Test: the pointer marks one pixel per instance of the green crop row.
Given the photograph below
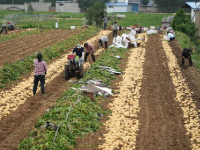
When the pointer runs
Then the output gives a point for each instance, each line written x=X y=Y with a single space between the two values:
x=83 y=118
x=13 y=71
x=17 y=35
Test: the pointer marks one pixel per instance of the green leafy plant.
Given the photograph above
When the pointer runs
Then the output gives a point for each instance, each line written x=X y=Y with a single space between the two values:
x=96 y=13
x=182 y=22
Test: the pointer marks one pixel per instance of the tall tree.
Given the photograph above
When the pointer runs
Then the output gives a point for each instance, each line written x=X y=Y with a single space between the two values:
x=85 y=4
x=170 y=5
x=96 y=13
x=144 y=2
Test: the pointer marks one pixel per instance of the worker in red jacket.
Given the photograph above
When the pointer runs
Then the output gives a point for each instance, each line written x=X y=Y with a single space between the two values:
x=89 y=50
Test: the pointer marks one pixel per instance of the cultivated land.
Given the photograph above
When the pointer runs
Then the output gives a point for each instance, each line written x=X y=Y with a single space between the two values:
x=155 y=103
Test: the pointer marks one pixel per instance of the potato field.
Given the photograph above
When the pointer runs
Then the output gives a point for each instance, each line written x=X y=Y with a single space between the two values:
x=155 y=103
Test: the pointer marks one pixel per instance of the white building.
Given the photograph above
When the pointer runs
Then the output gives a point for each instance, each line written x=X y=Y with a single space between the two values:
x=129 y=6
x=193 y=8
x=66 y=6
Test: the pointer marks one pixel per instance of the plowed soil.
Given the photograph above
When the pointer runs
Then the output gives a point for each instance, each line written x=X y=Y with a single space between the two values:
x=17 y=49
x=16 y=126
x=160 y=117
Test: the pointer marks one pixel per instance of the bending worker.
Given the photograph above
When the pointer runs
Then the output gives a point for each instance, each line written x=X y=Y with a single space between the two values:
x=79 y=52
x=102 y=40
x=169 y=34
x=3 y=29
x=186 y=54
x=89 y=50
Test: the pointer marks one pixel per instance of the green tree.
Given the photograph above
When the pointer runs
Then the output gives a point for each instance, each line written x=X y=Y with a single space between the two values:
x=144 y=2
x=182 y=22
x=96 y=13
x=170 y=5
x=85 y=4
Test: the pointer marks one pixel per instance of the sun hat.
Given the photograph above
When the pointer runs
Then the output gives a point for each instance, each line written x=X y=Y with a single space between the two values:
x=79 y=46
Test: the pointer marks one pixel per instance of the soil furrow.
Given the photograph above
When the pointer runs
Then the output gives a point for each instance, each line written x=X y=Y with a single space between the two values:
x=161 y=118
x=185 y=98
x=17 y=49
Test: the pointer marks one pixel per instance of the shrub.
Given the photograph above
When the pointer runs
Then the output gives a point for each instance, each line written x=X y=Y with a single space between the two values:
x=182 y=22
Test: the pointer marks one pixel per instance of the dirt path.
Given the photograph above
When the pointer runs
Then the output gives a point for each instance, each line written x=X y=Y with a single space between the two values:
x=161 y=118
x=18 y=124
x=17 y=49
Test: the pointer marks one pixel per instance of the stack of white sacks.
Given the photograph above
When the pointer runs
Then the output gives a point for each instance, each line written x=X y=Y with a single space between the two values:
x=125 y=40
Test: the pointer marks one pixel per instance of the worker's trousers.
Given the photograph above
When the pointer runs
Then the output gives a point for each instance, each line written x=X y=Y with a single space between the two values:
x=106 y=44
x=92 y=54
x=3 y=30
x=114 y=33
x=105 y=26
x=190 y=61
x=40 y=78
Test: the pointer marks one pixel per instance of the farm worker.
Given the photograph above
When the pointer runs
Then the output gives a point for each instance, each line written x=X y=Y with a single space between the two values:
x=40 y=72
x=102 y=40
x=115 y=29
x=79 y=52
x=3 y=28
x=172 y=31
x=89 y=50
x=56 y=26
x=186 y=54
x=172 y=37
x=105 y=20
x=139 y=30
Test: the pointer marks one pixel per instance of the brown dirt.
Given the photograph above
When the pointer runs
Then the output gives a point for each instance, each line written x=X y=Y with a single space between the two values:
x=16 y=126
x=161 y=118
x=17 y=49
x=191 y=74
x=91 y=141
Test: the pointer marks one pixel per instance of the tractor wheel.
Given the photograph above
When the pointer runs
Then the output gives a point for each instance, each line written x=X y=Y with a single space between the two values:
x=81 y=71
x=67 y=72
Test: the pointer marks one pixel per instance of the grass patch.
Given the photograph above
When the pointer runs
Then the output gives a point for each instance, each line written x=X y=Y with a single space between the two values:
x=144 y=19
x=185 y=42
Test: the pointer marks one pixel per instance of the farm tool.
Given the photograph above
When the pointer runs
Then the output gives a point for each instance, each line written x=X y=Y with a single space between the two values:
x=74 y=67
x=183 y=65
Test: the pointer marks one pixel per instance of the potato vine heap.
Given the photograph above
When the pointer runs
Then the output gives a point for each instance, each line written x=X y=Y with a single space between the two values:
x=184 y=97
x=123 y=123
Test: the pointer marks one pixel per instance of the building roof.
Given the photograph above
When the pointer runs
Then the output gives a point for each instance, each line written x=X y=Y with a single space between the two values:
x=62 y=1
x=192 y=5
x=116 y=4
x=134 y=3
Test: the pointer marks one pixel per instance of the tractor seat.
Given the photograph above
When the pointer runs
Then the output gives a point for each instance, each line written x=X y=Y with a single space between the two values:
x=71 y=57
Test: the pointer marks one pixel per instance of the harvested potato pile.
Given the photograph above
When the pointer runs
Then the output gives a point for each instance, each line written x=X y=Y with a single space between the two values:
x=123 y=124
x=184 y=97
x=10 y=100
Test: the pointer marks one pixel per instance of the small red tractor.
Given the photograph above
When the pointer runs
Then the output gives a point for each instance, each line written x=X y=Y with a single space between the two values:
x=74 y=67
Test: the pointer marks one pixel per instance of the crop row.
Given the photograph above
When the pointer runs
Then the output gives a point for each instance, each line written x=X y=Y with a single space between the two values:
x=20 y=34
x=184 y=98
x=83 y=117
x=11 y=72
